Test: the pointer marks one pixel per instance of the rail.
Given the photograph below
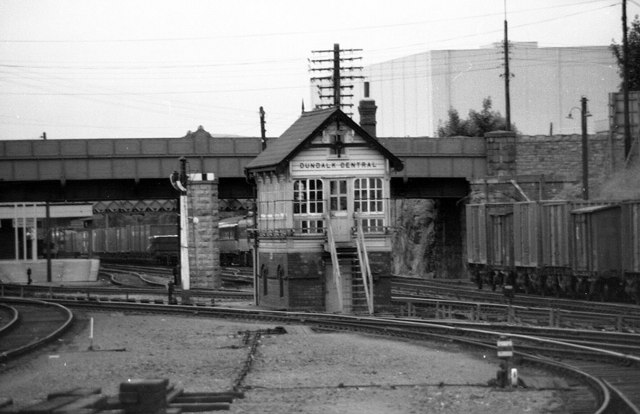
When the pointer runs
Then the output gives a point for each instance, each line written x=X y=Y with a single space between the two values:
x=407 y=329
x=38 y=338
x=441 y=308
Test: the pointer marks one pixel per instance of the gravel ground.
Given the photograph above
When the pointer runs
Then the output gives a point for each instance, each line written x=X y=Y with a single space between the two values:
x=299 y=372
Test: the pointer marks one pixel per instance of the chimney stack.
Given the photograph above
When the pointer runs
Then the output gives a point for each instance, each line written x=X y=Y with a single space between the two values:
x=367 y=110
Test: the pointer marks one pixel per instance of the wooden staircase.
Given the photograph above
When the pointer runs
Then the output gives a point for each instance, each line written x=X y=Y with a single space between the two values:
x=356 y=301
x=351 y=274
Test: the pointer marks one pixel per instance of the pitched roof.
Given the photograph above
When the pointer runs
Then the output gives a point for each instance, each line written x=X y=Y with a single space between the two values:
x=310 y=124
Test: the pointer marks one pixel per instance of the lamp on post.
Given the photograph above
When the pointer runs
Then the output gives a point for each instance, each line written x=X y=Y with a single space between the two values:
x=584 y=113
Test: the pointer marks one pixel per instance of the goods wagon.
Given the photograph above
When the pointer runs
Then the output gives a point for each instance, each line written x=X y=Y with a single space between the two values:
x=631 y=248
x=490 y=242
x=156 y=243
x=573 y=249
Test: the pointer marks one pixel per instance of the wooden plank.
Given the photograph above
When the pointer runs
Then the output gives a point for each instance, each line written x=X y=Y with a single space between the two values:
x=48 y=406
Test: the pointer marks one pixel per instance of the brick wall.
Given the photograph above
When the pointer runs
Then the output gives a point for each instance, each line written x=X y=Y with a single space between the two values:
x=380 y=263
x=306 y=294
x=302 y=280
x=305 y=265
x=382 y=294
x=545 y=167
x=271 y=262
x=560 y=156
x=204 y=249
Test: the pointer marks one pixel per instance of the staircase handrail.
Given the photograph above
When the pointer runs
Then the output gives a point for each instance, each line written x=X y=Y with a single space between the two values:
x=365 y=269
x=334 y=260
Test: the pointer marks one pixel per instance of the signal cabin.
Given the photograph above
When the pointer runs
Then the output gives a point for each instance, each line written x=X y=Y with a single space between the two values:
x=323 y=230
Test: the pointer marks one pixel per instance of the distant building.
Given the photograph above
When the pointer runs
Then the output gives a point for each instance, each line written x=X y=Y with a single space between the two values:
x=414 y=93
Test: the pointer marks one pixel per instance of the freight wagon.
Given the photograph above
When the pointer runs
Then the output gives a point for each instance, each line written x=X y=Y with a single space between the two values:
x=572 y=249
x=153 y=243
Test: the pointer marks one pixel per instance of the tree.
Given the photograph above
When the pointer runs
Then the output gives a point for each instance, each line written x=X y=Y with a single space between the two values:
x=486 y=120
x=633 y=60
x=478 y=124
x=454 y=125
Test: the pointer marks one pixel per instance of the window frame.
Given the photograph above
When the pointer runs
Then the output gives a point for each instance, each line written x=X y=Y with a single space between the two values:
x=308 y=205
x=369 y=203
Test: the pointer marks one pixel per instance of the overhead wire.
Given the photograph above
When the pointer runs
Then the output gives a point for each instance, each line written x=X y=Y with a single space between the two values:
x=205 y=67
x=304 y=32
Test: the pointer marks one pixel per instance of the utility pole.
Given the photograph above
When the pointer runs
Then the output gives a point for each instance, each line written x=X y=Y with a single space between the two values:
x=507 y=74
x=336 y=80
x=263 y=131
x=585 y=148
x=625 y=81
x=584 y=113
x=336 y=76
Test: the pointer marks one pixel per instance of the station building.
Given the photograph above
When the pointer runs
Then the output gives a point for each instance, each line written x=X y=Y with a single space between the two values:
x=323 y=236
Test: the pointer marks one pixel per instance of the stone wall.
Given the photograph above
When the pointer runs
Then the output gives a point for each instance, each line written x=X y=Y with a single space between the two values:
x=501 y=147
x=204 y=249
x=545 y=167
x=560 y=156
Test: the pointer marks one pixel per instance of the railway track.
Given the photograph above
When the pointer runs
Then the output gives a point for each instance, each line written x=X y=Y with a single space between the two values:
x=465 y=290
x=600 y=374
x=32 y=323
x=231 y=276
x=605 y=361
x=592 y=394
x=431 y=299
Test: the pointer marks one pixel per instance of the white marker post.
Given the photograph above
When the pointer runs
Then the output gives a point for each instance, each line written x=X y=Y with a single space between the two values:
x=505 y=352
x=179 y=182
x=91 y=335
x=184 y=242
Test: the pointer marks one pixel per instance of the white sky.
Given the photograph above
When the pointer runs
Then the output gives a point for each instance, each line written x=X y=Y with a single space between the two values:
x=133 y=68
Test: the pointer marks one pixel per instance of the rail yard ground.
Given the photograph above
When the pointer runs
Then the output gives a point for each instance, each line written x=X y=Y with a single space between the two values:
x=301 y=371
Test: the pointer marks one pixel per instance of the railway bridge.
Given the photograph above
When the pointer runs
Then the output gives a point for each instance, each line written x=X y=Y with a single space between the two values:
x=132 y=176
x=138 y=169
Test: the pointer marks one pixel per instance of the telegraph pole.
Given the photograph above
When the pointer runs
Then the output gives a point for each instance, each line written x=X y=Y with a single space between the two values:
x=263 y=131
x=625 y=81
x=507 y=74
x=585 y=148
x=336 y=81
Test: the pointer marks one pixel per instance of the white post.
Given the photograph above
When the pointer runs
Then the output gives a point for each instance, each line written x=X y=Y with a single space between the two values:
x=91 y=334
x=15 y=232
x=24 y=233
x=184 y=241
x=34 y=234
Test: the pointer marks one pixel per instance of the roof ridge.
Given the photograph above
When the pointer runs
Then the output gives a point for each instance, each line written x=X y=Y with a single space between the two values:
x=318 y=111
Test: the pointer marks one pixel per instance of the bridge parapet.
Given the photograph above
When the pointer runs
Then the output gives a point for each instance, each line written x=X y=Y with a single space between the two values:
x=140 y=158
x=451 y=157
